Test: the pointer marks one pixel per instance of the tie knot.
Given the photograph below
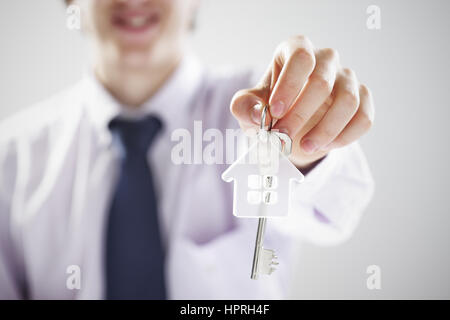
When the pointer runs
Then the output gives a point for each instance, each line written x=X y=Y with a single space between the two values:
x=136 y=135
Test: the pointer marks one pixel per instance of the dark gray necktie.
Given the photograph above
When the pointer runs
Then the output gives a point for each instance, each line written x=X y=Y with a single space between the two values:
x=134 y=255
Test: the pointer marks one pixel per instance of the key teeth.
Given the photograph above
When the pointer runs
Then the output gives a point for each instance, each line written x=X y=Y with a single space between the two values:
x=269 y=260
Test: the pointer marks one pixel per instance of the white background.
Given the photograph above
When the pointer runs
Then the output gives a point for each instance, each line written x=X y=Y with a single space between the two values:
x=405 y=229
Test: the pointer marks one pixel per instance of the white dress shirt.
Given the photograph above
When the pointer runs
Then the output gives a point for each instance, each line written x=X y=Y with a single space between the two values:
x=58 y=166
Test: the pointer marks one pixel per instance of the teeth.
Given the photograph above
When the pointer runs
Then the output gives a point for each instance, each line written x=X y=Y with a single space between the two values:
x=137 y=21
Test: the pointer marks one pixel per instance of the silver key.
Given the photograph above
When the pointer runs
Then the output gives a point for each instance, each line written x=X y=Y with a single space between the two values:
x=265 y=260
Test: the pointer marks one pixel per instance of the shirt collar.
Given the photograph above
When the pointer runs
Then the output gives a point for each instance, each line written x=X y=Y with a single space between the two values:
x=169 y=102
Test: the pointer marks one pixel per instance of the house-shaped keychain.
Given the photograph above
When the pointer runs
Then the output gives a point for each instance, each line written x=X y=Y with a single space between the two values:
x=264 y=178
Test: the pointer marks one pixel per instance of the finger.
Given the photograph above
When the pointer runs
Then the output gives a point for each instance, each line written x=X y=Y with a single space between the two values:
x=317 y=90
x=245 y=107
x=296 y=61
x=360 y=123
x=344 y=107
x=244 y=102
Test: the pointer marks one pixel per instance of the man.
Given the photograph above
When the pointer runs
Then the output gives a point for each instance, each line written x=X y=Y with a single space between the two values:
x=93 y=207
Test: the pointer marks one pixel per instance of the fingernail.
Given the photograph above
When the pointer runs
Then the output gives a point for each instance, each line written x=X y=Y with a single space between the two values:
x=277 y=109
x=309 y=146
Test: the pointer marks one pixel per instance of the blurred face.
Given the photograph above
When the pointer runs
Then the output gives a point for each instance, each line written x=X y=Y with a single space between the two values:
x=137 y=32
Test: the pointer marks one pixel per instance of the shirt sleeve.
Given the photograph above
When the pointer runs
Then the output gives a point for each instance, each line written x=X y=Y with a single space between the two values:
x=9 y=274
x=330 y=201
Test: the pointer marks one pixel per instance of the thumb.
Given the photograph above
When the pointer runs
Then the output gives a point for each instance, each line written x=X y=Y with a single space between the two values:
x=247 y=104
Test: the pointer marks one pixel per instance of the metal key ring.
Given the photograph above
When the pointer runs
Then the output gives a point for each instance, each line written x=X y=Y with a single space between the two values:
x=287 y=145
x=263 y=118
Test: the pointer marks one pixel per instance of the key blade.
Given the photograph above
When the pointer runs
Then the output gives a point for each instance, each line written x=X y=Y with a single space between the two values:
x=258 y=248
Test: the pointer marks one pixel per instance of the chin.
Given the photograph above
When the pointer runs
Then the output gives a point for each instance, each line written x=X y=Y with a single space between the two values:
x=135 y=58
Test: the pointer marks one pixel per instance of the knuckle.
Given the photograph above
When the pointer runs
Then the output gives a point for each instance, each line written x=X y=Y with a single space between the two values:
x=364 y=91
x=321 y=82
x=300 y=37
x=349 y=73
x=304 y=55
x=350 y=98
x=366 y=121
x=300 y=118
x=330 y=54
x=367 y=105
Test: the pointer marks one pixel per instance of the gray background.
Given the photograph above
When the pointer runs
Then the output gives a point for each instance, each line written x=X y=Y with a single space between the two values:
x=405 y=229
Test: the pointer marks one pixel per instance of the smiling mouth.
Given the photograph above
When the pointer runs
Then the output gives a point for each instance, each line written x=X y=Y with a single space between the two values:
x=135 y=22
